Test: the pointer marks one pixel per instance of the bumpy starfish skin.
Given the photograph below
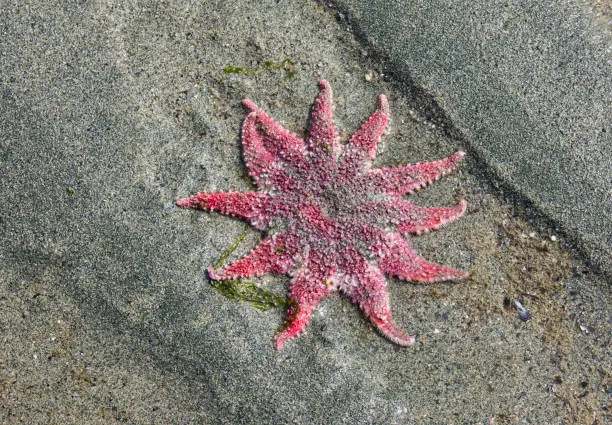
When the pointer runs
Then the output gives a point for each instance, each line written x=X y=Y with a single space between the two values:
x=333 y=223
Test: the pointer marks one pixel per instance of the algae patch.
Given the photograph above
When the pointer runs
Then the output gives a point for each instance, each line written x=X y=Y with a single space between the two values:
x=232 y=247
x=245 y=291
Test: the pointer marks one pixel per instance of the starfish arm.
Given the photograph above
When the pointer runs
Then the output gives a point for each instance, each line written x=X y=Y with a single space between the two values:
x=366 y=286
x=419 y=220
x=361 y=148
x=306 y=290
x=269 y=148
x=256 y=207
x=272 y=255
x=322 y=133
x=397 y=258
x=406 y=217
x=409 y=178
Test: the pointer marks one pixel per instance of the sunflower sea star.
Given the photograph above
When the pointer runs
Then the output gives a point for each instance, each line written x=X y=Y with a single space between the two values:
x=332 y=222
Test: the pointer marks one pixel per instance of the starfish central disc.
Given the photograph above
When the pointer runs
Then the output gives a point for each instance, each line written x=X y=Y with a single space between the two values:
x=337 y=202
x=333 y=222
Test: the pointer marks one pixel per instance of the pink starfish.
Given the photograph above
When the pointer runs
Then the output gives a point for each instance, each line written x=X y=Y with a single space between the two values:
x=332 y=221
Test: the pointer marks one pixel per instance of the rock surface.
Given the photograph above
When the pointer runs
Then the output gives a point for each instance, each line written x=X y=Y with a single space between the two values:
x=111 y=111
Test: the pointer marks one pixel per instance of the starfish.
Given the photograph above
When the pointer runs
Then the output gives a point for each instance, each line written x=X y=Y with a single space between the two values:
x=333 y=222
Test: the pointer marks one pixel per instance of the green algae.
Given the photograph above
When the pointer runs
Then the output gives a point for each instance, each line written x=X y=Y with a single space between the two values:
x=226 y=253
x=242 y=290
x=229 y=69
x=288 y=65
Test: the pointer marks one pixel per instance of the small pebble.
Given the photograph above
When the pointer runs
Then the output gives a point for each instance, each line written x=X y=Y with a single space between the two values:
x=523 y=313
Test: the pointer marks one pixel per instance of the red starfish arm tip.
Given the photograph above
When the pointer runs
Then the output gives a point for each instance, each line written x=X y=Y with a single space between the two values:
x=392 y=332
x=368 y=136
x=299 y=322
x=368 y=289
x=360 y=151
x=383 y=105
x=183 y=203
x=397 y=258
x=419 y=220
x=418 y=269
x=250 y=105
x=322 y=133
x=253 y=206
x=409 y=178
x=271 y=152
x=199 y=201
x=307 y=291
